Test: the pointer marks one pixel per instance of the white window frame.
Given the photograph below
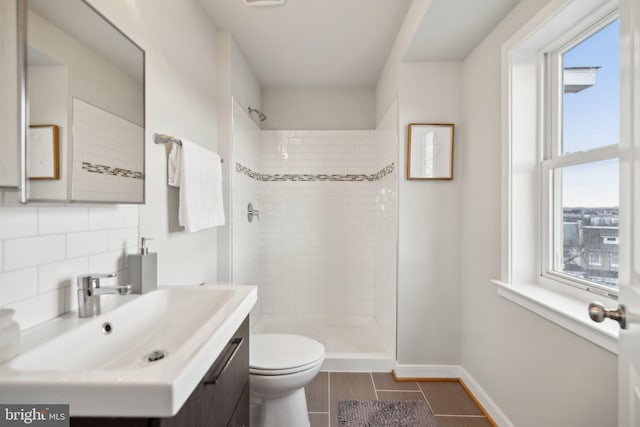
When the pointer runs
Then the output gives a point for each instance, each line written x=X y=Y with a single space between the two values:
x=553 y=160
x=521 y=280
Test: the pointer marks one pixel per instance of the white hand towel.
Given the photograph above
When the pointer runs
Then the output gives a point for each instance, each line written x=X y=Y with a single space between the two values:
x=173 y=165
x=198 y=173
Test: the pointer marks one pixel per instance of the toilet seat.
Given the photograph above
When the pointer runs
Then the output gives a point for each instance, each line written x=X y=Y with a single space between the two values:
x=283 y=354
x=276 y=372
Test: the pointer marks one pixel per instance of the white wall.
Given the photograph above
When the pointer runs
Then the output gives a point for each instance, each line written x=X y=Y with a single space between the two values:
x=45 y=247
x=235 y=79
x=429 y=211
x=318 y=108
x=92 y=78
x=387 y=86
x=537 y=373
x=429 y=217
x=245 y=88
x=246 y=250
x=180 y=101
x=386 y=234
x=48 y=104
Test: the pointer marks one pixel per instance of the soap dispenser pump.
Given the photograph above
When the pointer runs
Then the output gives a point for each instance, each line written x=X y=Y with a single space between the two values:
x=143 y=269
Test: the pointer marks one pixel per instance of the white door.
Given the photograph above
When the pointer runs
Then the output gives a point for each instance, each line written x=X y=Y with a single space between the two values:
x=629 y=354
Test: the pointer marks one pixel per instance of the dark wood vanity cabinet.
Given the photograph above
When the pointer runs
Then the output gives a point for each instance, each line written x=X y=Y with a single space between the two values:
x=221 y=399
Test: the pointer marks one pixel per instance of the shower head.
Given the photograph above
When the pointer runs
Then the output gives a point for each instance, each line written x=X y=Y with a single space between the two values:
x=261 y=116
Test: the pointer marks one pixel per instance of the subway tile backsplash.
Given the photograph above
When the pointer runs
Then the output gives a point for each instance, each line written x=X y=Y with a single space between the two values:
x=44 y=248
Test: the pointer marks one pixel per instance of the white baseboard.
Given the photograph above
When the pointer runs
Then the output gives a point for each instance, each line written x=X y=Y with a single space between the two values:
x=484 y=399
x=427 y=371
x=456 y=371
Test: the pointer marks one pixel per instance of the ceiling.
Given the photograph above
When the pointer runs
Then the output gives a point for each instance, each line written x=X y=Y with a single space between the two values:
x=451 y=29
x=340 y=43
x=313 y=43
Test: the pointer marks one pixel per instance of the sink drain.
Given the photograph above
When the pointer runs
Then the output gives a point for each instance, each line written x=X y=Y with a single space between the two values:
x=107 y=328
x=155 y=355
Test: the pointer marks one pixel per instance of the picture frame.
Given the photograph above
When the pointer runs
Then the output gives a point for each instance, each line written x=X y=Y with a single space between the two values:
x=43 y=152
x=430 y=151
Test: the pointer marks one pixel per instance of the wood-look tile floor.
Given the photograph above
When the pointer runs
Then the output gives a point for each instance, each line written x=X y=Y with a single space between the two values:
x=448 y=400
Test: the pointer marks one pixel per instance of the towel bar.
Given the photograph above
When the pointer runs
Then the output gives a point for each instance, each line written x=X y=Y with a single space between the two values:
x=160 y=138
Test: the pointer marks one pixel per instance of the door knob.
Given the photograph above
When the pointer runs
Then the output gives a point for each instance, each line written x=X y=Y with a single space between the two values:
x=598 y=313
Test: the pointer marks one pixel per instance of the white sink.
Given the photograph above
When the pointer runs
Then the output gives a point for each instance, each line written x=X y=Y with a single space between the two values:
x=100 y=373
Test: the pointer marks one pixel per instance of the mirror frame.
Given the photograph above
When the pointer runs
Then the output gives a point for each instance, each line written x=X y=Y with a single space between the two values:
x=411 y=175
x=23 y=108
x=23 y=125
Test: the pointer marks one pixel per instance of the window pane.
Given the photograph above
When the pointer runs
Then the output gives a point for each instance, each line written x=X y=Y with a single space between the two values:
x=591 y=82
x=589 y=231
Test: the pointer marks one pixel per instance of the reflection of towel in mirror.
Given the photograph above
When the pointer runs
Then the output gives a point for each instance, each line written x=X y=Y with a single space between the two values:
x=198 y=173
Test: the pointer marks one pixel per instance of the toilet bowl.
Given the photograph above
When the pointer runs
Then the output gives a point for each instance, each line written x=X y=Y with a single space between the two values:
x=280 y=365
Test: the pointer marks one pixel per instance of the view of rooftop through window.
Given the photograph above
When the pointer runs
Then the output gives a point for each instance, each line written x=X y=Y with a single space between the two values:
x=590 y=119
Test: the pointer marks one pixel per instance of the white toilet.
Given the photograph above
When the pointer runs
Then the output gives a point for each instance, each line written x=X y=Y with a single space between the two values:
x=280 y=365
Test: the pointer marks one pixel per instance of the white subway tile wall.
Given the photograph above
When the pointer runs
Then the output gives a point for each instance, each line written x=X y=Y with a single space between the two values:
x=318 y=238
x=315 y=250
x=43 y=249
x=105 y=142
x=318 y=152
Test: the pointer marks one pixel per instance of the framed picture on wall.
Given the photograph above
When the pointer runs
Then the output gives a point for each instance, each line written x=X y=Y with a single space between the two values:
x=43 y=152
x=430 y=151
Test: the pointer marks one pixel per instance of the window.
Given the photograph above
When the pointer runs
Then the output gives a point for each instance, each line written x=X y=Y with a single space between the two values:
x=614 y=260
x=580 y=158
x=561 y=117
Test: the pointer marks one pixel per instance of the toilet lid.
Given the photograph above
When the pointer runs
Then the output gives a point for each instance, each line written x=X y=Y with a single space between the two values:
x=283 y=351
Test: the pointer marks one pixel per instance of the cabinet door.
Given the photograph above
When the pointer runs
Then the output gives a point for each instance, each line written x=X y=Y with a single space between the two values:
x=225 y=382
x=241 y=415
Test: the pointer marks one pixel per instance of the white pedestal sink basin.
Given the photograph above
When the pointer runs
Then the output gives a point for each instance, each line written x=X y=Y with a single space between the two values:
x=100 y=366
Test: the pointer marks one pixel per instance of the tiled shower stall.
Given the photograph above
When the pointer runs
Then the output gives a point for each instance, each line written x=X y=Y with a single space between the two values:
x=323 y=254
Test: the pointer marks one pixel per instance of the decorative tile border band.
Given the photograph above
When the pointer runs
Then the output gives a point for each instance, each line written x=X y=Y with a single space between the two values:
x=317 y=177
x=108 y=170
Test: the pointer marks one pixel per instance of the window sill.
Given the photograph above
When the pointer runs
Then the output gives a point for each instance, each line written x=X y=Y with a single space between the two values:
x=563 y=310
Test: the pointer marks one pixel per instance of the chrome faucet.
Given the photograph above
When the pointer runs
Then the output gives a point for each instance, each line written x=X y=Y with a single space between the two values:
x=89 y=292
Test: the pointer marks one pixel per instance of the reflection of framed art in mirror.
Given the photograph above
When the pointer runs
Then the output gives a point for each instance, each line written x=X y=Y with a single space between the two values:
x=43 y=152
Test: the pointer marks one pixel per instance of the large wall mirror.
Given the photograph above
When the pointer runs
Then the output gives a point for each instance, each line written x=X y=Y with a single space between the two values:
x=85 y=106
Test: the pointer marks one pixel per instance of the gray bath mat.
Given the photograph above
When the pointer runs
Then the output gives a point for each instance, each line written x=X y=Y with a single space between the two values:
x=378 y=413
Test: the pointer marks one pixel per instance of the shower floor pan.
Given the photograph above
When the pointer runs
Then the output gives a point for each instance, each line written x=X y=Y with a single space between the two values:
x=352 y=344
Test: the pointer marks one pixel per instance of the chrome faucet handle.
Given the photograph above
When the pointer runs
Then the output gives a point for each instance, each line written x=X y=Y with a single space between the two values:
x=92 y=280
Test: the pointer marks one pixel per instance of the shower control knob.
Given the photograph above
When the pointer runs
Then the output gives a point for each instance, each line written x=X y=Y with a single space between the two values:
x=251 y=212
